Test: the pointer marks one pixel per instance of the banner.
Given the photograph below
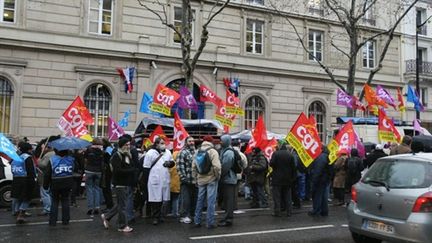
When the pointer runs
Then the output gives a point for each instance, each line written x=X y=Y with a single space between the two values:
x=385 y=95
x=124 y=122
x=180 y=133
x=233 y=105
x=401 y=102
x=158 y=132
x=207 y=94
x=345 y=139
x=259 y=135
x=221 y=115
x=146 y=102
x=8 y=148
x=413 y=97
x=372 y=97
x=187 y=101
x=344 y=99
x=356 y=104
x=232 y=84
x=114 y=130
x=268 y=147
x=163 y=100
x=386 y=129
x=75 y=118
x=304 y=140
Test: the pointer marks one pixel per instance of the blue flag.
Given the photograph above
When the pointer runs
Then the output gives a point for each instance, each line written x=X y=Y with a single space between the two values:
x=124 y=122
x=414 y=98
x=8 y=148
x=146 y=101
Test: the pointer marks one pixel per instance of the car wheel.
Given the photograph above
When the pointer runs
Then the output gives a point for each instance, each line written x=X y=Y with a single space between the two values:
x=5 y=196
x=363 y=239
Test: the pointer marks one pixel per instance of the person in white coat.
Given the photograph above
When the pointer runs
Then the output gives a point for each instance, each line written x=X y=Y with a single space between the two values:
x=158 y=159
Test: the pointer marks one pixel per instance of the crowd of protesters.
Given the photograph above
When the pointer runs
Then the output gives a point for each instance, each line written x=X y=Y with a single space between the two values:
x=155 y=183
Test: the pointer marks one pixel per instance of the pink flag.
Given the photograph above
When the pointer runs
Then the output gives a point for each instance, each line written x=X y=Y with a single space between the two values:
x=343 y=99
x=385 y=95
x=417 y=126
x=359 y=145
x=114 y=130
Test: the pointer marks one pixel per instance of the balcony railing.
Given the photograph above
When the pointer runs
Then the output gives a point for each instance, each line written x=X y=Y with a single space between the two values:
x=424 y=67
x=369 y=21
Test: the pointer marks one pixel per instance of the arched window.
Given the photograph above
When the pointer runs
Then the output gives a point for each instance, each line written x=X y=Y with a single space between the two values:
x=98 y=100
x=317 y=109
x=254 y=108
x=175 y=85
x=6 y=97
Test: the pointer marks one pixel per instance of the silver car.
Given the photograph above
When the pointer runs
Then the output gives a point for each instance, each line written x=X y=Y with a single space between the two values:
x=393 y=201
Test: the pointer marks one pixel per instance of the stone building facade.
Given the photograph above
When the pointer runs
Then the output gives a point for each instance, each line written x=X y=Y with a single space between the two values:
x=52 y=51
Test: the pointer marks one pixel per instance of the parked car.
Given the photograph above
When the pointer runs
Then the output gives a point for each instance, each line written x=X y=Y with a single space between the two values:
x=393 y=201
x=5 y=184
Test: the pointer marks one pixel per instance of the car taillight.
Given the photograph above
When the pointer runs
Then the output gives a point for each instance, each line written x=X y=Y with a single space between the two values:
x=353 y=194
x=423 y=204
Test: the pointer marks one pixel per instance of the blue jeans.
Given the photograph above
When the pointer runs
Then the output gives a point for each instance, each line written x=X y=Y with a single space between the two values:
x=175 y=199
x=301 y=186
x=211 y=190
x=320 y=195
x=93 y=190
x=120 y=207
x=46 y=199
x=19 y=205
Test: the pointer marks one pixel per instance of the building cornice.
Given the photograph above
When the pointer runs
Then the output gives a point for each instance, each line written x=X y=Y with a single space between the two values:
x=13 y=62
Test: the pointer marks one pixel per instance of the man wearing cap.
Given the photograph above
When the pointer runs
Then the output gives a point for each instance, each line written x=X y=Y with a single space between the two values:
x=377 y=153
x=207 y=184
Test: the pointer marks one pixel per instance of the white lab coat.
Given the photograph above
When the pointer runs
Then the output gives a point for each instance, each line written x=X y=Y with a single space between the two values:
x=159 y=179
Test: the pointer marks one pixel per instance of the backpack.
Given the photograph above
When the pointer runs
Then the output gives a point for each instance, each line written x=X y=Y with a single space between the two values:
x=203 y=161
x=237 y=165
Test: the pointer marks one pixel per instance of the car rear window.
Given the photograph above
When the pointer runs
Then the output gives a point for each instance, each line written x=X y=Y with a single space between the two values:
x=400 y=174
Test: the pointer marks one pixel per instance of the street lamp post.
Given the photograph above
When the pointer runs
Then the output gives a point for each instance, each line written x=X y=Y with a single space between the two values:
x=418 y=28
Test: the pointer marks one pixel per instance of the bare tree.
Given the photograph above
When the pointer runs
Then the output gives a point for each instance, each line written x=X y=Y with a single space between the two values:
x=351 y=16
x=185 y=32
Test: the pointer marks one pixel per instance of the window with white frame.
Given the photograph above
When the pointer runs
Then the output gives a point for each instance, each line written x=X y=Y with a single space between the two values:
x=315 y=7
x=6 y=98
x=7 y=11
x=254 y=36
x=316 y=45
x=368 y=14
x=424 y=96
x=318 y=110
x=257 y=2
x=100 y=17
x=254 y=108
x=98 y=99
x=369 y=54
x=178 y=14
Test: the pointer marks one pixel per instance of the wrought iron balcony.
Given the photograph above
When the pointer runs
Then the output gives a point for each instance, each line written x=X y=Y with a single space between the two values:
x=369 y=21
x=424 y=67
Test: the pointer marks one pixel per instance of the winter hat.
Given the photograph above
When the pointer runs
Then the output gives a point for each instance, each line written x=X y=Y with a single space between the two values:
x=25 y=147
x=208 y=138
x=122 y=142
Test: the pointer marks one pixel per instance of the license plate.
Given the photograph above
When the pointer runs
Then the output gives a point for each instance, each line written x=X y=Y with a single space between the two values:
x=378 y=226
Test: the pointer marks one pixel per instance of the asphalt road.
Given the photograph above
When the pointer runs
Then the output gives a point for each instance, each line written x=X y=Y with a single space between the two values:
x=252 y=225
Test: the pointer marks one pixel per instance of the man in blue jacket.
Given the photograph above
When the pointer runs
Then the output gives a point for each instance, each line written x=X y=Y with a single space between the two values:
x=228 y=180
x=321 y=173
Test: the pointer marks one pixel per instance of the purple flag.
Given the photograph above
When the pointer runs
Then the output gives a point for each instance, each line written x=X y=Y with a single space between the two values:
x=385 y=95
x=417 y=126
x=359 y=145
x=187 y=101
x=343 y=99
x=114 y=130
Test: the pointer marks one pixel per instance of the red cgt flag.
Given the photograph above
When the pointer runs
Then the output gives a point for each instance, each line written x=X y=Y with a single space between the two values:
x=259 y=135
x=163 y=100
x=345 y=139
x=75 y=118
x=401 y=104
x=305 y=140
x=158 y=132
x=180 y=133
x=387 y=132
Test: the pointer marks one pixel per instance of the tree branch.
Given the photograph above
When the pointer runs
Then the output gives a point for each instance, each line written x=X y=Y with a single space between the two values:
x=339 y=49
x=386 y=46
x=163 y=20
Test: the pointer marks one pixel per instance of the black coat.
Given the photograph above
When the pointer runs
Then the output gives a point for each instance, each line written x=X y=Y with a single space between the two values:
x=321 y=172
x=123 y=173
x=257 y=168
x=23 y=187
x=283 y=168
x=372 y=157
